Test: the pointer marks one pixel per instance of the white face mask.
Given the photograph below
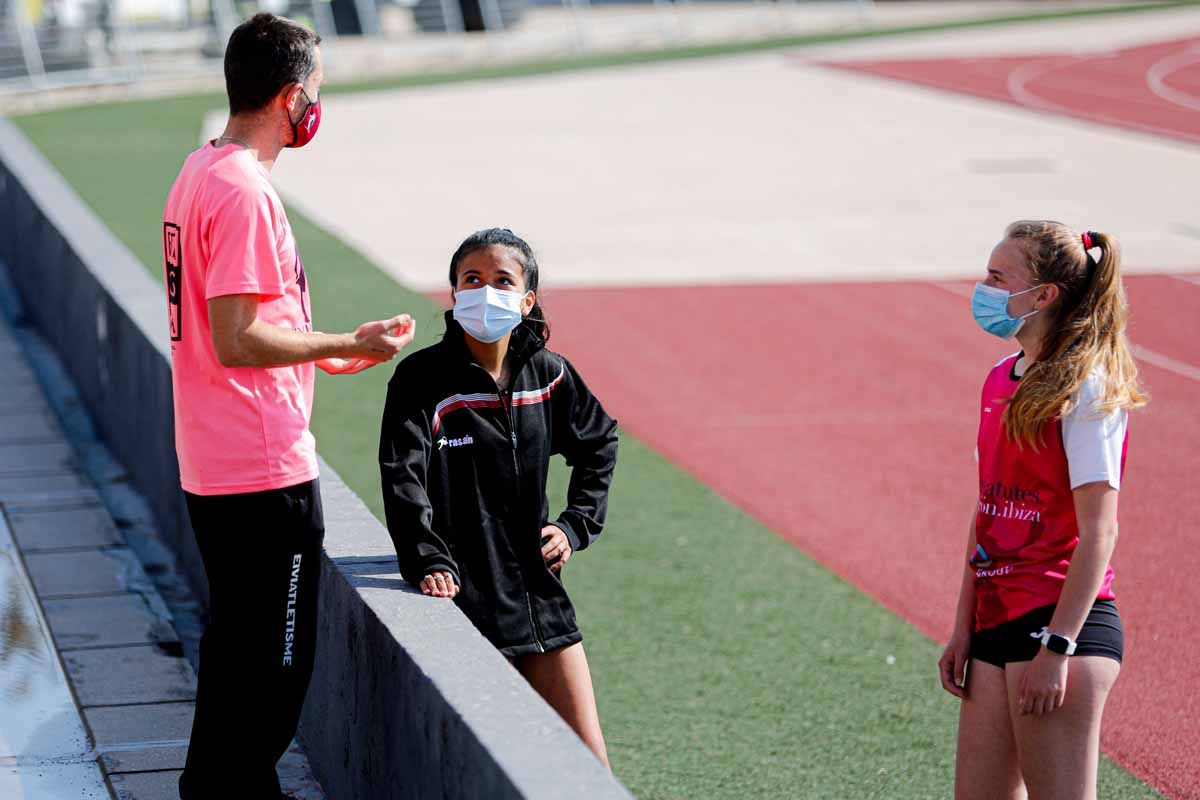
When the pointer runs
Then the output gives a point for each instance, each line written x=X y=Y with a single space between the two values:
x=488 y=314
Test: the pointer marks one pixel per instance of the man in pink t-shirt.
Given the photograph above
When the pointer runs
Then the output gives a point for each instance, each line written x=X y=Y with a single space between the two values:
x=244 y=352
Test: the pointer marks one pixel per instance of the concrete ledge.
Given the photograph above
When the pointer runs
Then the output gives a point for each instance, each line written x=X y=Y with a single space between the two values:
x=408 y=700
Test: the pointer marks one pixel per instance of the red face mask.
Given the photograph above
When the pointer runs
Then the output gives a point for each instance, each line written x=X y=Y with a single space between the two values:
x=304 y=129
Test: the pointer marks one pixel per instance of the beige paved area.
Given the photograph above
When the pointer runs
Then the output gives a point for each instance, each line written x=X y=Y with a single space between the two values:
x=760 y=168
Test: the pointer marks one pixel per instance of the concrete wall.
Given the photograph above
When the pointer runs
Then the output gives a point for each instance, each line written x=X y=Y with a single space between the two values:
x=408 y=700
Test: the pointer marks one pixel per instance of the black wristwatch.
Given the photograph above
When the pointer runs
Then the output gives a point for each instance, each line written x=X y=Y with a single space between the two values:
x=1055 y=643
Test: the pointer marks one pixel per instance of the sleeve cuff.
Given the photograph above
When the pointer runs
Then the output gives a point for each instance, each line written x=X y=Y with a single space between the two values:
x=1084 y=480
x=440 y=566
x=572 y=537
x=244 y=288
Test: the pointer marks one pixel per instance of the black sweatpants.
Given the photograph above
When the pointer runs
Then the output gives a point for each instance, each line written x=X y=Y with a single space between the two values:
x=261 y=552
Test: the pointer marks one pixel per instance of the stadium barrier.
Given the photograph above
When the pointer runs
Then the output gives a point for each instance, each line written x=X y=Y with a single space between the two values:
x=76 y=50
x=408 y=699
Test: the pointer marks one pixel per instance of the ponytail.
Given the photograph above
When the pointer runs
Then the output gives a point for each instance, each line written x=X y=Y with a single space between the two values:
x=1087 y=331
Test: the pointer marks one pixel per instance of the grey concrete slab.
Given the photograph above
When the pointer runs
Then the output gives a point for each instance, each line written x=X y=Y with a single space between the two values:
x=359 y=537
x=21 y=397
x=150 y=759
x=147 y=785
x=121 y=675
x=113 y=569
x=17 y=372
x=109 y=621
x=40 y=457
x=53 y=781
x=29 y=427
x=296 y=776
x=14 y=487
x=51 y=529
x=71 y=498
x=158 y=722
x=38 y=716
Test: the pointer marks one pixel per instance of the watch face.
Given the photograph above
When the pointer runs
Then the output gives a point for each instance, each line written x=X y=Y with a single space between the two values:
x=1058 y=644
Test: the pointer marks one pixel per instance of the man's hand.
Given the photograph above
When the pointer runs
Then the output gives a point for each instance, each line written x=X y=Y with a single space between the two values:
x=556 y=549
x=240 y=339
x=381 y=340
x=344 y=366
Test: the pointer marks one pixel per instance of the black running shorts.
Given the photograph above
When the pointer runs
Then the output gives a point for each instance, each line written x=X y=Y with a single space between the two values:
x=1102 y=635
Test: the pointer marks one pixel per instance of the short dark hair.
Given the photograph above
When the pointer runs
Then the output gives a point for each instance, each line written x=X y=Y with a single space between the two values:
x=266 y=53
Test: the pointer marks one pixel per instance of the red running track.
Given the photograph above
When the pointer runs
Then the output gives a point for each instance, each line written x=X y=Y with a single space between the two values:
x=1153 y=88
x=843 y=417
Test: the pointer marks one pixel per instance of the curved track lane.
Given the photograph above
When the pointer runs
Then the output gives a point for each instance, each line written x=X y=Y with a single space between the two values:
x=1154 y=88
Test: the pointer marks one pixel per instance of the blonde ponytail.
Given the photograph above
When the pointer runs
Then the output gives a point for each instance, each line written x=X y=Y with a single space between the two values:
x=1087 y=333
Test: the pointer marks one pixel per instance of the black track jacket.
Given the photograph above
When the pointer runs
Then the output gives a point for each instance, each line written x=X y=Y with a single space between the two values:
x=464 y=481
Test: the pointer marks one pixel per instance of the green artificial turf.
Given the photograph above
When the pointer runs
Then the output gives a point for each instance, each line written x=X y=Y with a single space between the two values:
x=727 y=663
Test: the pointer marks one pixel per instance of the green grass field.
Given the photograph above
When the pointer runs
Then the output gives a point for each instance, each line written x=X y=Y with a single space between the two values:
x=727 y=663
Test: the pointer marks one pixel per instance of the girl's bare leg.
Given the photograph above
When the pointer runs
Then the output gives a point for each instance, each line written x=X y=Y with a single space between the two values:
x=1060 y=752
x=564 y=681
x=986 y=767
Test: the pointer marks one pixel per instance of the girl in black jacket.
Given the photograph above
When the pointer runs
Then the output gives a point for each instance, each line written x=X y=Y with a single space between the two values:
x=468 y=431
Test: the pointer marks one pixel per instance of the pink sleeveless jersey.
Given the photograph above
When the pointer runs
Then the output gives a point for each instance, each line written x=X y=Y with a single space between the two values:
x=1025 y=523
x=240 y=429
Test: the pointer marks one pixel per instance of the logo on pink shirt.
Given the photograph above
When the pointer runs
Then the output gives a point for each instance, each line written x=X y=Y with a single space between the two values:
x=174 y=261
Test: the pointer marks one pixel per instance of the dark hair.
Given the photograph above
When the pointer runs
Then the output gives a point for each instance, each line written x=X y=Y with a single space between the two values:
x=266 y=53
x=503 y=237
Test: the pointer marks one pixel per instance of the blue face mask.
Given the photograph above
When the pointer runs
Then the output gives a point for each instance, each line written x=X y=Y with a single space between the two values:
x=488 y=314
x=989 y=305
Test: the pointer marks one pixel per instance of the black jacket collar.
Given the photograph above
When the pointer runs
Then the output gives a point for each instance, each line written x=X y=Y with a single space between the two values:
x=523 y=344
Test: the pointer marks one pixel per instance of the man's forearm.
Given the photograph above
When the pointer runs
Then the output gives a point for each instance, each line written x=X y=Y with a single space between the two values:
x=266 y=345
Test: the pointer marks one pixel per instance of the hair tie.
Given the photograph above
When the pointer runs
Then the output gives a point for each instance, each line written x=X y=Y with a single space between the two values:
x=1089 y=240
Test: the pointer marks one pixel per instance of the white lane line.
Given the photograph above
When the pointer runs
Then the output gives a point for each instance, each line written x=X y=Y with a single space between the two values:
x=1018 y=82
x=1017 y=85
x=1180 y=368
x=1156 y=77
x=1145 y=354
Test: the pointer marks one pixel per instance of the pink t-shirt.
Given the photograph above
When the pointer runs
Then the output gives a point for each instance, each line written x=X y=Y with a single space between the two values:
x=225 y=232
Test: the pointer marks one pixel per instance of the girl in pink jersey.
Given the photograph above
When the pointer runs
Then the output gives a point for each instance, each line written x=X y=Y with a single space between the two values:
x=1036 y=619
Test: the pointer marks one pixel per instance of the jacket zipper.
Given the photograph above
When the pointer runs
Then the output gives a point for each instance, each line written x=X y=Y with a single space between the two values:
x=512 y=434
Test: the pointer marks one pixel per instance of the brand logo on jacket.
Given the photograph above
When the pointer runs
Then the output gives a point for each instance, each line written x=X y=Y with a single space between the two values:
x=460 y=442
